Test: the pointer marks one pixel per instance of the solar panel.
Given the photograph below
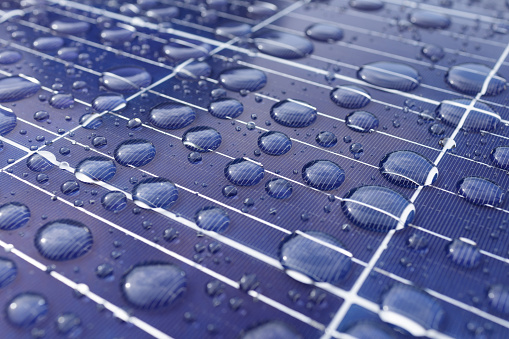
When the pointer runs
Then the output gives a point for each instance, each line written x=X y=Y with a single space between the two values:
x=252 y=169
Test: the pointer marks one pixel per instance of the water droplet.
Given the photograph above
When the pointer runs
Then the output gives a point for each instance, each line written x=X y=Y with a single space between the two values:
x=412 y=309
x=69 y=324
x=428 y=19
x=498 y=296
x=13 y=215
x=155 y=193
x=324 y=32
x=243 y=79
x=114 y=201
x=279 y=188
x=70 y=26
x=38 y=163
x=377 y=208
x=350 y=96
x=194 y=71
x=229 y=191
x=117 y=35
x=95 y=168
x=125 y=79
x=260 y=10
x=391 y=75
x=68 y=53
x=479 y=191
x=8 y=271
x=464 y=253
x=62 y=101
x=408 y=169
x=283 y=45
x=163 y=14
x=433 y=52
x=368 y=330
x=326 y=139
x=233 y=29
x=135 y=152
x=185 y=50
x=112 y=102
x=500 y=157
x=91 y=121
x=63 y=239
x=7 y=121
x=361 y=121
x=274 y=143
x=244 y=172
x=48 y=43
x=366 y=5
x=213 y=219
x=26 y=309
x=169 y=115
x=481 y=117
x=16 y=88
x=316 y=256
x=436 y=129
x=293 y=113
x=70 y=188
x=154 y=286
x=226 y=108
x=9 y=57
x=40 y=116
x=202 y=139
x=271 y=329
x=323 y=175
x=469 y=78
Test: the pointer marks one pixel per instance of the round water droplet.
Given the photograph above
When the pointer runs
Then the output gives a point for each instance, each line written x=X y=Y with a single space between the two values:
x=324 y=32
x=390 y=75
x=63 y=239
x=274 y=143
x=272 y=330
x=126 y=79
x=155 y=193
x=233 y=29
x=469 y=78
x=70 y=187
x=479 y=191
x=350 y=96
x=361 y=121
x=316 y=256
x=279 y=188
x=226 y=108
x=229 y=191
x=283 y=45
x=153 y=286
x=481 y=117
x=114 y=201
x=500 y=157
x=408 y=169
x=135 y=152
x=112 y=102
x=38 y=163
x=69 y=324
x=95 y=168
x=26 y=309
x=377 y=208
x=243 y=79
x=202 y=139
x=244 y=172
x=213 y=219
x=48 y=43
x=464 y=253
x=117 y=35
x=62 y=101
x=323 y=175
x=498 y=296
x=293 y=113
x=434 y=53
x=326 y=139
x=70 y=26
x=13 y=215
x=7 y=121
x=16 y=88
x=194 y=71
x=366 y=5
x=169 y=115
x=8 y=271
x=185 y=50
x=9 y=57
x=428 y=19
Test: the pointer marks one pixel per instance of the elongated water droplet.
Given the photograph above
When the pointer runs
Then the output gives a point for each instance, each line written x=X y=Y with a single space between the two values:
x=480 y=117
x=469 y=78
x=226 y=108
x=390 y=75
x=16 y=88
x=244 y=172
x=350 y=96
x=126 y=79
x=213 y=219
x=95 y=168
x=479 y=191
x=202 y=139
x=361 y=121
x=155 y=193
x=293 y=113
x=243 y=79
x=279 y=188
x=283 y=45
x=169 y=115
x=408 y=169
x=135 y=152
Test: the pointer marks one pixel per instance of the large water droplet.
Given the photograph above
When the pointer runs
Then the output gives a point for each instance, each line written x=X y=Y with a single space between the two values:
x=155 y=193
x=118 y=35
x=16 y=88
x=213 y=219
x=316 y=256
x=194 y=71
x=469 y=78
x=377 y=208
x=366 y=5
x=48 y=43
x=114 y=201
x=243 y=79
x=350 y=96
x=274 y=143
x=464 y=252
x=323 y=175
x=293 y=113
x=233 y=29
x=283 y=45
x=126 y=79
x=185 y=50
x=244 y=172
x=361 y=121
x=8 y=271
x=111 y=102
x=481 y=117
x=480 y=191
x=153 y=286
x=271 y=330
x=62 y=101
x=26 y=309
x=38 y=163
x=7 y=121
x=408 y=169
x=500 y=157
x=226 y=108
x=69 y=324
x=95 y=168
x=9 y=57
x=70 y=26
x=279 y=188
x=169 y=115
x=390 y=75
x=428 y=19
x=135 y=152
x=261 y=10
x=63 y=239
x=324 y=32
x=13 y=215
x=411 y=309
x=202 y=139
x=68 y=53
x=498 y=296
